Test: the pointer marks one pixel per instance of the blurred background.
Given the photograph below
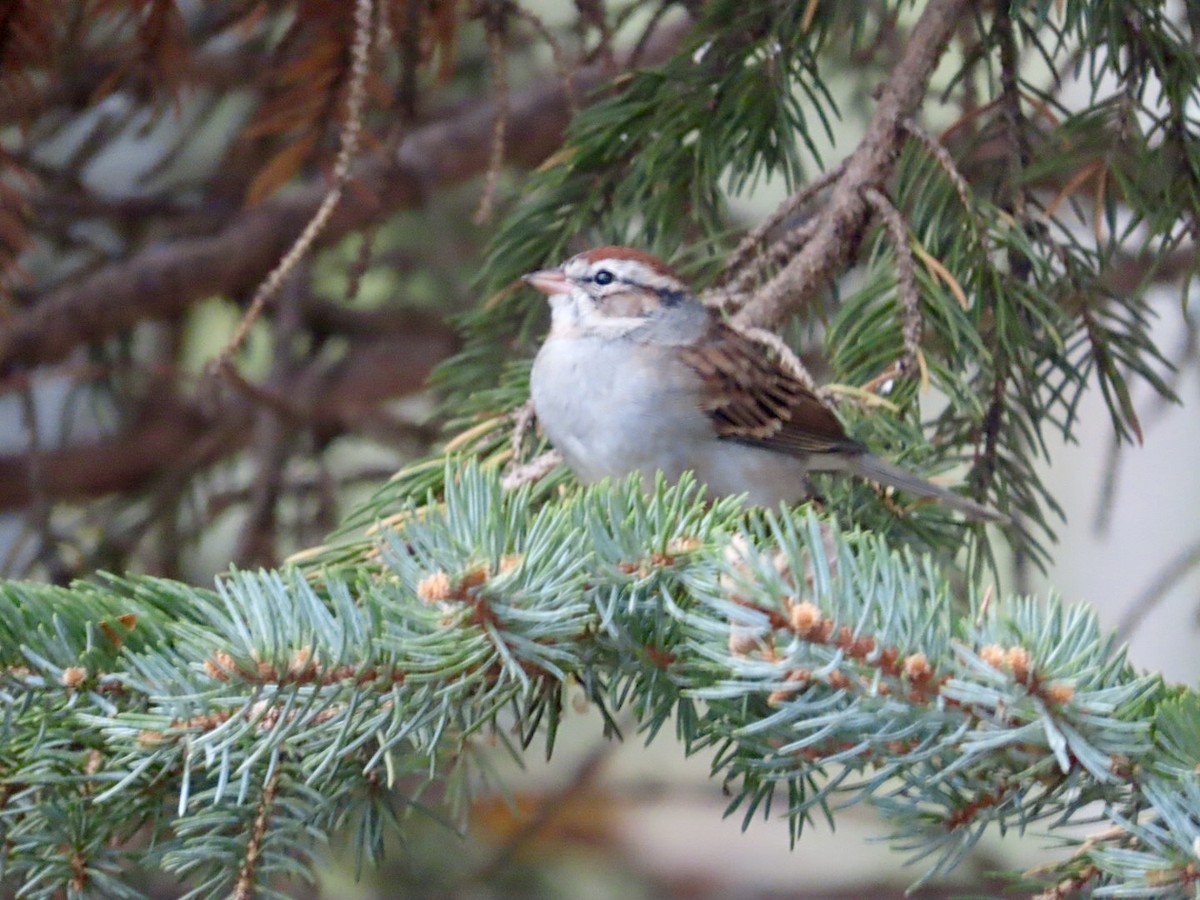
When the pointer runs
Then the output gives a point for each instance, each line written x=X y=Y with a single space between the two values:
x=158 y=158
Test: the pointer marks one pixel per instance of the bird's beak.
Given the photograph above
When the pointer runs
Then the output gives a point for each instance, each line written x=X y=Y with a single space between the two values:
x=548 y=281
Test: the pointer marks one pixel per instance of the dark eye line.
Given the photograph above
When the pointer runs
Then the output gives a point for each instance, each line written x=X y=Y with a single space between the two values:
x=671 y=297
x=604 y=277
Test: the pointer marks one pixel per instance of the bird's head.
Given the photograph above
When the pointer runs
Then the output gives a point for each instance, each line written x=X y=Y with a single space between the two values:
x=615 y=290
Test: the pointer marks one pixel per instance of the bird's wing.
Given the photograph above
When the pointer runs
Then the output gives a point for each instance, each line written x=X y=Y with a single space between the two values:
x=752 y=398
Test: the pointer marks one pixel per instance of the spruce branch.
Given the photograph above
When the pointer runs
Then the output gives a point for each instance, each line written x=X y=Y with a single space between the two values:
x=241 y=725
x=238 y=728
x=1016 y=310
x=844 y=216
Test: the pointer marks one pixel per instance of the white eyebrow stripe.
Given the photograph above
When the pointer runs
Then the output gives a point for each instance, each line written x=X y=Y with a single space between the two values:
x=628 y=271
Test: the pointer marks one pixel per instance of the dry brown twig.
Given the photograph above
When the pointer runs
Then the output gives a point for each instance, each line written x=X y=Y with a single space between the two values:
x=533 y=471
x=942 y=157
x=493 y=19
x=743 y=254
x=737 y=293
x=351 y=132
x=523 y=417
x=906 y=278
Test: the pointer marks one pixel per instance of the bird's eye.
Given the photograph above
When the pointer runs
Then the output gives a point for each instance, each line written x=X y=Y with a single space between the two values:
x=604 y=277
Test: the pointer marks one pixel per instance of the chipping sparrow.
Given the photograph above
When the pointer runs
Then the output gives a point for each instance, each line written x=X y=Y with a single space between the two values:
x=637 y=375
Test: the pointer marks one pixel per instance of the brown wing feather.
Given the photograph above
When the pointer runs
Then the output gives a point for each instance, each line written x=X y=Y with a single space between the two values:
x=753 y=399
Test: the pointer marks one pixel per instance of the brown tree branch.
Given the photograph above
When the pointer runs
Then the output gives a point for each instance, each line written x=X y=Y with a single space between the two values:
x=162 y=281
x=76 y=88
x=844 y=218
x=176 y=432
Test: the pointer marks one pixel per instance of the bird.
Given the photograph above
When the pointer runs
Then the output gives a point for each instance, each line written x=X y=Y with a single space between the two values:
x=636 y=374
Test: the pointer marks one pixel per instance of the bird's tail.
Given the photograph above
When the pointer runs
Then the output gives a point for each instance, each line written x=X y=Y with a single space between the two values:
x=869 y=466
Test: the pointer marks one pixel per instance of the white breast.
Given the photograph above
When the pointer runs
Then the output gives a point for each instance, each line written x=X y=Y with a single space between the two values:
x=609 y=411
x=641 y=414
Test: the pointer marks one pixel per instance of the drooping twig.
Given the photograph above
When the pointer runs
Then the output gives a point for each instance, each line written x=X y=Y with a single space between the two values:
x=655 y=17
x=275 y=432
x=493 y=20
x=594 y=13
x=942 y=157
x=585 y=775
x=1017 y=157
x=356 y=95
x=362 y=261
x=787 y=356
x=410 y=59
x=906 y=278
x=38 y=516
x=736 y=293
